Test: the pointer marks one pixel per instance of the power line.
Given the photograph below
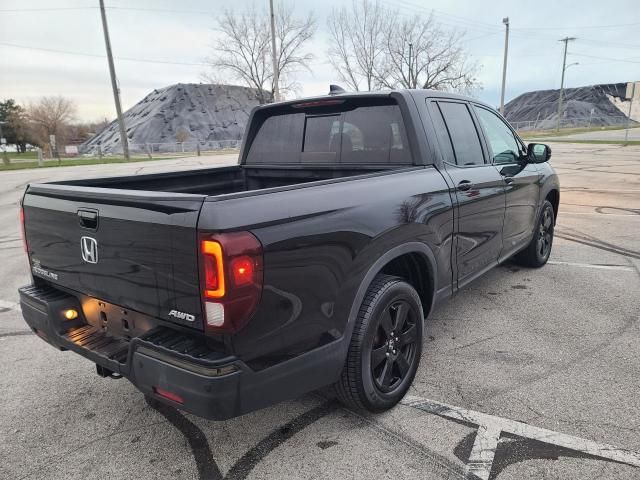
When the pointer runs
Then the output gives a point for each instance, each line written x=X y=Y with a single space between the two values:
x=444 y=18
x=607 y=43
x=95 y=55
x=579 y=27
x=163 y=10
x=44 y=9
x=457 y=18
x=605 y=58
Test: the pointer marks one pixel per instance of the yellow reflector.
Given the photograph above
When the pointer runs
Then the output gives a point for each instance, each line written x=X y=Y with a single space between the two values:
x=70 y=314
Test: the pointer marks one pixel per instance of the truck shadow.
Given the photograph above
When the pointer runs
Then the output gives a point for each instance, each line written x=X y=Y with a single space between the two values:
x=206 y=465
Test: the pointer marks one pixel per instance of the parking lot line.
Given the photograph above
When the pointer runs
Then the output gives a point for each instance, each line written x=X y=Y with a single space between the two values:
x=619 y=268
x=603 y=215
x=481 y=458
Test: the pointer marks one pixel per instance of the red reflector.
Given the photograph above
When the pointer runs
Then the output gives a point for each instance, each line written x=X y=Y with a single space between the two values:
x=242 y=269
x=174 y=397
x=211 y=273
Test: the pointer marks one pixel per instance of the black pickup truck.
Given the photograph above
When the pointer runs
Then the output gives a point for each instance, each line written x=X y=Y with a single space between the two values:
x=312 y=262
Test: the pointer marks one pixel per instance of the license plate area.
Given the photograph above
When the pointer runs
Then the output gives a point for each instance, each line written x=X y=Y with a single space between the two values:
x=115 y=320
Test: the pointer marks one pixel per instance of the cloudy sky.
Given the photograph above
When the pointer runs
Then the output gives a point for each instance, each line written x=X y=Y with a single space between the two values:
x=56 y=47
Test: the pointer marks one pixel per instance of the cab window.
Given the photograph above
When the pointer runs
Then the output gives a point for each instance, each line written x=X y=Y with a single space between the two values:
x=502 y=142
x=462 y=134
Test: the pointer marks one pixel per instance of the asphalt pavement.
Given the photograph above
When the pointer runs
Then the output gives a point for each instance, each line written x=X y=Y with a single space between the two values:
x=525 y=373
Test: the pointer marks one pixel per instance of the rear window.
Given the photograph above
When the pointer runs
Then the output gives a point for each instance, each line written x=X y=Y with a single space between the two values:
x=373 y=134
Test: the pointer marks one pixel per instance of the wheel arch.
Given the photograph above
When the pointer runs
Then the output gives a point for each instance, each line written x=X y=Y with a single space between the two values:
x=405 y=261
x=553 y=196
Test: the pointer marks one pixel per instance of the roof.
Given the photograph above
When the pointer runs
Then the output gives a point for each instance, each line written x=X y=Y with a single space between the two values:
x=415 y=93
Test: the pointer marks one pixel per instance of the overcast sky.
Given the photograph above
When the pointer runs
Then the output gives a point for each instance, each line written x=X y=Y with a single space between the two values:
x=607 y=49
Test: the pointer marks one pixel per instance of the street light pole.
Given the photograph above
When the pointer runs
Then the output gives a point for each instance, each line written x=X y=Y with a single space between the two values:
x=566 y=40
x=276 y=79
x=504 y=62
x=124 y=141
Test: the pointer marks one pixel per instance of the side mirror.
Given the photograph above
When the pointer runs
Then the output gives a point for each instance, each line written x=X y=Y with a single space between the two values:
x=538 y=152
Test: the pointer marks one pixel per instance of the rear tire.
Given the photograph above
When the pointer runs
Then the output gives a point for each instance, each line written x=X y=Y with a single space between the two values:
x=385 y=347
x=537 y=252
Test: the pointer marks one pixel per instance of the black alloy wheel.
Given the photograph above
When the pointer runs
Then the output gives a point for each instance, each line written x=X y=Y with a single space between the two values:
x=545 y=233
x=394 y=346
x=538 y=250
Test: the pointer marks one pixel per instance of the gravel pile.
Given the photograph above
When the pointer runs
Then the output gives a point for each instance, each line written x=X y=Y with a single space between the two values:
x=592 y=104
x=214 y=116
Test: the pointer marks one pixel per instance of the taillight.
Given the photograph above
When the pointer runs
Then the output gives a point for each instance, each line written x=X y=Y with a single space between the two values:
x=22 y=230
x=231 y=280
x=213 y=269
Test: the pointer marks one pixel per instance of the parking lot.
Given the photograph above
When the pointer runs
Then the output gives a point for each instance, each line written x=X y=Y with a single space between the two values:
x=527 y=373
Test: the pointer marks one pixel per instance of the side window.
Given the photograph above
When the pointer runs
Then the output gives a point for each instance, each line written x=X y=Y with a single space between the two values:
x=504 y=146
x=463 y=134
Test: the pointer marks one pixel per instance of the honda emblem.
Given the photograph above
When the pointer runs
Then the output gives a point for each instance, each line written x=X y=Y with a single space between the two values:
x=89 y=249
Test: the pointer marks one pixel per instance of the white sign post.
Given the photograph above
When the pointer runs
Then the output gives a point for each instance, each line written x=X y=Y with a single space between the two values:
x=3 y=147
x=630 y=95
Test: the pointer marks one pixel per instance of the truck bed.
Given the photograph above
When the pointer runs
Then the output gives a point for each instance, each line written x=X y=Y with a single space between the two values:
x=228 y=180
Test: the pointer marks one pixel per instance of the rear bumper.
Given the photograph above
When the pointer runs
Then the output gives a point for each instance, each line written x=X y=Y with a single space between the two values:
x=211 y=384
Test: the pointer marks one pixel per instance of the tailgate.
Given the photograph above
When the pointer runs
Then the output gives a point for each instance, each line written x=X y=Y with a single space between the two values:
x=135 y=249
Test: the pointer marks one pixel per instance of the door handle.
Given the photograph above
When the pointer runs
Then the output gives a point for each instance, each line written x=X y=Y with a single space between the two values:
x=465 y=185
x=508 y=180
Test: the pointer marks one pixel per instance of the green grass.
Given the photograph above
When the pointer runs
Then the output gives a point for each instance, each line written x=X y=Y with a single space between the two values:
x=22 y=156
x=29 y=160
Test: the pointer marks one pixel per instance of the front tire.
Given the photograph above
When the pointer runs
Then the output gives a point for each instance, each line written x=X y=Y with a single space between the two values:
x=385 y=347
x=537 y=252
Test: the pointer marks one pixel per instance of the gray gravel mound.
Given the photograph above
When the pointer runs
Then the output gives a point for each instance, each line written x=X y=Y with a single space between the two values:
x=580 y=105
x=214 y=116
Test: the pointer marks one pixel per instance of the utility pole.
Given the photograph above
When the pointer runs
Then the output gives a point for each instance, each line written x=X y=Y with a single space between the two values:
x=274 y=53
x=410 y=71
x=124 y=141
x=505 y=20
x=566 y=41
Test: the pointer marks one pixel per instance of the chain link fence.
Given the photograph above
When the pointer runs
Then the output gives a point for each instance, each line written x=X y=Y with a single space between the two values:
x=590 y=121
x=163 y=149
x=80 y=154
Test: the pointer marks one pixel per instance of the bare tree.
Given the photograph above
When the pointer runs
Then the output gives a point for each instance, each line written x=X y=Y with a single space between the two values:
x=51 y=116
x=420 y=53
x=375 y=47
x=182 y=135
x=358 y=37
x=244 y=48
x=291 y=36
